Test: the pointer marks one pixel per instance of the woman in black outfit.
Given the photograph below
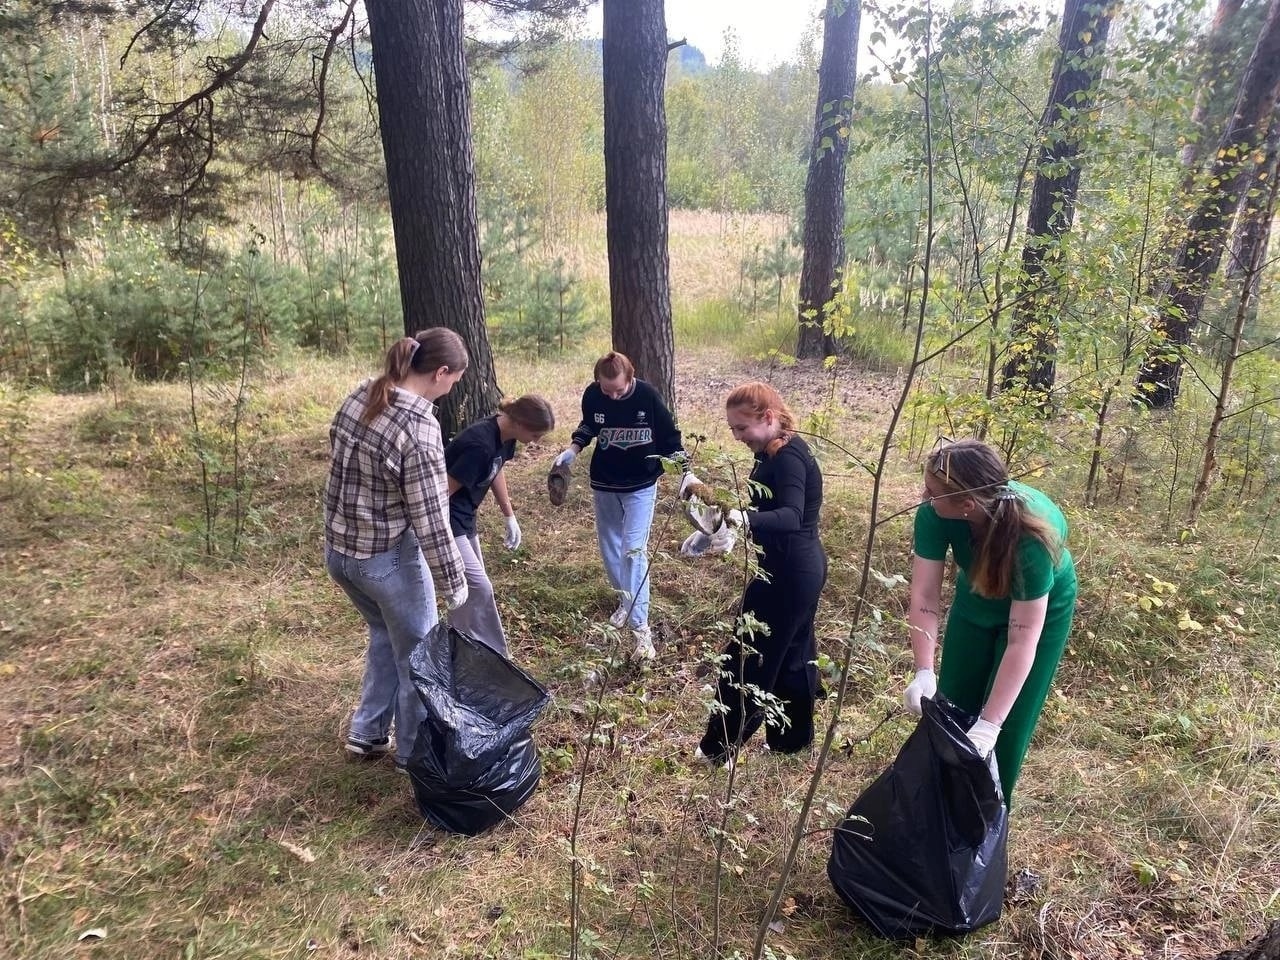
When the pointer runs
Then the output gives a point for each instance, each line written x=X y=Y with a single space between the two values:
x=793 y=570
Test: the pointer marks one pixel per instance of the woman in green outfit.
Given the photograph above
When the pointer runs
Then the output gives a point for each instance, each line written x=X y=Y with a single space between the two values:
x=1015 y=597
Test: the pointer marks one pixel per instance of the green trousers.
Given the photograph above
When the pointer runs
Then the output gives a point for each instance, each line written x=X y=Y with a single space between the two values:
x=972 y=648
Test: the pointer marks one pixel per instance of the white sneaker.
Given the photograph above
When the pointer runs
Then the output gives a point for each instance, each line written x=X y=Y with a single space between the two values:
x=644 y=642
x=619 y=617
x=702 y=758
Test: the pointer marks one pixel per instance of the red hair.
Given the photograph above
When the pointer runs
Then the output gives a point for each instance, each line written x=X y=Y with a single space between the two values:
x=759 y=398
x=614 y=363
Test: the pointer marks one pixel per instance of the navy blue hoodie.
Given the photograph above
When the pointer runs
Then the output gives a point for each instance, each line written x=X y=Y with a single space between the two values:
x=630 y=434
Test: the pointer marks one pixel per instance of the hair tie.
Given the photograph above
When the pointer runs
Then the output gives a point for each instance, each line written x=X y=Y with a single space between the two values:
x=413 y=350
x=1005 y=492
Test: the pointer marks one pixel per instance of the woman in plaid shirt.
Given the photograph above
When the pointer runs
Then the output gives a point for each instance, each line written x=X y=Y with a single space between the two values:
x=387 y=522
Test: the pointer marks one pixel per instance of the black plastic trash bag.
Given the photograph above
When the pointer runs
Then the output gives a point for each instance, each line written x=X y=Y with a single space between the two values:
x=474 y=762
x=928 y=854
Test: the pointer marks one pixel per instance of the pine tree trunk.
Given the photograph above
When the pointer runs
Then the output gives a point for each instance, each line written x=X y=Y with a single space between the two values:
x=1034 y=335
x=1215 y=47
x=821 y=276
x=635 y=177
x=1257 y=210
x=1266 y=947
x=1160 y=376
x=424 y=112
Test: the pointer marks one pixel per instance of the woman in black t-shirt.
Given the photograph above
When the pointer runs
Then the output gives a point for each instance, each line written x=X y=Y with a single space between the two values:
x=475 y=459
x=783 y=523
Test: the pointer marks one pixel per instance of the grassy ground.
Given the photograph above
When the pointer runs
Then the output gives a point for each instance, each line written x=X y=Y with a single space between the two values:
x=170 y=725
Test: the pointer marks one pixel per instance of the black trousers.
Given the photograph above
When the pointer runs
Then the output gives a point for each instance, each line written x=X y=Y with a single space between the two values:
x=780 y=664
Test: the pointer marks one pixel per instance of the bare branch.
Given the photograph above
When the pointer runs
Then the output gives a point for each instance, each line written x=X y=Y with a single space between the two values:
x=222 y=76
x=151 y=23
x=325 y=58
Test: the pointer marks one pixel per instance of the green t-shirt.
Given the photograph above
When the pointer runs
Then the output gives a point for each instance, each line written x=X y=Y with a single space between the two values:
x=1035 y=574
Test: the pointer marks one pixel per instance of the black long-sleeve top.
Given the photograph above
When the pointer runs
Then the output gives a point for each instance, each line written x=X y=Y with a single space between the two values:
x=785 y=524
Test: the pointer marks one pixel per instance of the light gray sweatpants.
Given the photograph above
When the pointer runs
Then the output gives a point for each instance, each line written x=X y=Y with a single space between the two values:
x=479 y=616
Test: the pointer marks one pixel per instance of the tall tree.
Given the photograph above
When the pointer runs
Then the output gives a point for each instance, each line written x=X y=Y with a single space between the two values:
x=1066 y=119
x=1216 y=59
x=164 y=160
x=1257 y=211
x=424 y=113
x=1160 y=376
x=635 y=188
x=821 y=276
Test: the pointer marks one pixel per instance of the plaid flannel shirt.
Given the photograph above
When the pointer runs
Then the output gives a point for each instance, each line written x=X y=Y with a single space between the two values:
x=386 y=475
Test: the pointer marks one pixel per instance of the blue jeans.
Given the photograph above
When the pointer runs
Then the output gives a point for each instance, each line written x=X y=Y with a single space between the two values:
x=622 y=529
x=394 y=593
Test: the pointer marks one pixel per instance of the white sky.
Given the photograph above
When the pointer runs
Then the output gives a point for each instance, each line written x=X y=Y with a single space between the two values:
x=768 y=31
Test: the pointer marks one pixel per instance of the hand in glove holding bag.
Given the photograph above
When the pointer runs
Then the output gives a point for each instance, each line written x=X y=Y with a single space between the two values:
x=687 y=481
x=983 y=735
x=458 y=599
x=511 y=539
x=738 y=518
x=923 y=687
x=567 y=456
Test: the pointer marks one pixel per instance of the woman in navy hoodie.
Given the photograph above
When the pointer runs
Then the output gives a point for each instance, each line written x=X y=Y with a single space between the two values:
x=633 y=429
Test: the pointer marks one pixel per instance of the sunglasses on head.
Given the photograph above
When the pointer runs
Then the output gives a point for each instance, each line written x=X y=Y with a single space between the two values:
x=941 y=464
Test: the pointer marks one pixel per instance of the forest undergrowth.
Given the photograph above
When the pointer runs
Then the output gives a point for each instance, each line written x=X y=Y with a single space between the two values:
x=171 y=768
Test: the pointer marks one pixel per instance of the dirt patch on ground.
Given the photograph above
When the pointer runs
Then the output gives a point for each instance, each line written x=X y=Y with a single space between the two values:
x=703 y=383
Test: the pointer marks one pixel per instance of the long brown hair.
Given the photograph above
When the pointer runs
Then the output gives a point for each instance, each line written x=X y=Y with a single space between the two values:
x=425 y=352
x=759 y=397
x=531 y=411
x=975 y=469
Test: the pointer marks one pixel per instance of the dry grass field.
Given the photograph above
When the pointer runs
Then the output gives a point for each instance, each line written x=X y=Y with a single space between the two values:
x=706 y=251
x=172 y=778
x=173 y=781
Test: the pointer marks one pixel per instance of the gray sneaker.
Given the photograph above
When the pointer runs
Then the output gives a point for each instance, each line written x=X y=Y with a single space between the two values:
x=367 y=748
x=644 y=642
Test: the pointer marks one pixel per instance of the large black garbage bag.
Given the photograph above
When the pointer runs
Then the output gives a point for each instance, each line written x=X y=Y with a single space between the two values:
x=474 y=762
x=929 y=854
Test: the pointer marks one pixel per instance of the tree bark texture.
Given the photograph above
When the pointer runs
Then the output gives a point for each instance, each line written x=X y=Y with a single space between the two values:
x=821 y=276
x=424 y=111
x=635 y=183
x=1067 y=115
x=1216 y=47
x=1160 y=376
x=1257 y=210
x=1266 y=947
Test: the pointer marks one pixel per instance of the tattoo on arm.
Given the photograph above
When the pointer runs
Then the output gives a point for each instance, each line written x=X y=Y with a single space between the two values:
x=1018 y=625
x=933 y=613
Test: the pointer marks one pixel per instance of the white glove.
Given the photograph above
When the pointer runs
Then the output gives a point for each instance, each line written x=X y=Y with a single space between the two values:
x=566 y=457
x=737 y=518
x=983 y=735
x=687 y=481
x=512 y=538
x=923 y=687
x=458 y=599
